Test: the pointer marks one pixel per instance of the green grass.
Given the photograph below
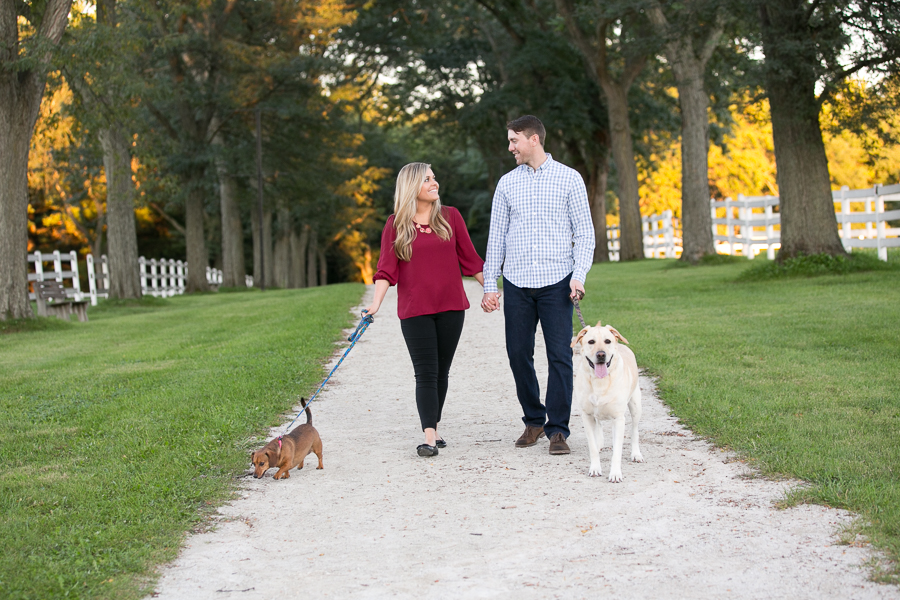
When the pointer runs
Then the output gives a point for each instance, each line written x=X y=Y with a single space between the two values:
x=797 y=375
x=119 y=435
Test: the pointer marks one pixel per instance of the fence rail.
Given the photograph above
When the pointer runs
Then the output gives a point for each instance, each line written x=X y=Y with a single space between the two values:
x=751 y=224
x=159 y=277
x=660 y=237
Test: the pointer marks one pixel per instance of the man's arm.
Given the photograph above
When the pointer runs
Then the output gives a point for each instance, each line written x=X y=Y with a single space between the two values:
x=496 y=248
x=583 y=232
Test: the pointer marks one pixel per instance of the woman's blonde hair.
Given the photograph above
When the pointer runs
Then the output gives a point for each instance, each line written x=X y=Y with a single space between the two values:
x=409 y=182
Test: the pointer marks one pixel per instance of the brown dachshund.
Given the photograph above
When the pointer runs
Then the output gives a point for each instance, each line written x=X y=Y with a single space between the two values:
x=287 y=452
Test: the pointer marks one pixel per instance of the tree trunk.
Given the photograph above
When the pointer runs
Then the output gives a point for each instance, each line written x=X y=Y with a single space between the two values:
x=689 y=66
x=259 y=276
x=299 y=247
x=124 y=270
x=311 y=255
x=233 y=270
x=323 y=268
x=195 y=239
x=17 y=119
x=597 y=196
x=631 y=242
x=696 y=221
x=594 y=169
x=808 y=221
x=282 y=257
x=21 y=90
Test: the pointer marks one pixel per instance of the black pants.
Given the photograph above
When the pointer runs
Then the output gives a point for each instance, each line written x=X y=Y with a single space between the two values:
x=432 y=341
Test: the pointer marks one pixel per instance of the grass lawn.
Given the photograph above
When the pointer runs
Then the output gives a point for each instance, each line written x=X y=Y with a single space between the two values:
x=119 y=435
x=799 y=376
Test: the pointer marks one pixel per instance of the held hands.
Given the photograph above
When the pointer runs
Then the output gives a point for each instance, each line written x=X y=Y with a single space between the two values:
x=490 y=302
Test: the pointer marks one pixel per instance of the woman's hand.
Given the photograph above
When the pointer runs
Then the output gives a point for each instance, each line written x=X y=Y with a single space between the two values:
x=372 y=309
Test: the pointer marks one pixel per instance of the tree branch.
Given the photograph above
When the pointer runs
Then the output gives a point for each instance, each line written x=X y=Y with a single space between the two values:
x=178 y=226
x=167 y=125
x=504 y=22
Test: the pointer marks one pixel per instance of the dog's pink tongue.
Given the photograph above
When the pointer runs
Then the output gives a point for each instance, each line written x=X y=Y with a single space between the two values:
x=600 y=370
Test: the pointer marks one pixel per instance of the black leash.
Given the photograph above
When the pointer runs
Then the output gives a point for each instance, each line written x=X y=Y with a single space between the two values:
x=578 y=296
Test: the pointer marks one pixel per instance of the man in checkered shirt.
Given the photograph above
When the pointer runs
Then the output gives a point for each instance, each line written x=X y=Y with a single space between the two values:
x=542 y=242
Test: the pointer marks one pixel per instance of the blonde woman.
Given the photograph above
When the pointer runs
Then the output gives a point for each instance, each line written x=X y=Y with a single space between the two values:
x=425 y=248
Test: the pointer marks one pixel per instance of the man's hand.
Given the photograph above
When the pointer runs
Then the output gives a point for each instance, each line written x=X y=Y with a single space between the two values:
x=577 y=289
x=490 y=302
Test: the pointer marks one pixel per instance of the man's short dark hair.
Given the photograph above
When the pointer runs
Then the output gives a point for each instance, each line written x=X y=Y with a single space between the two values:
x=529 y=125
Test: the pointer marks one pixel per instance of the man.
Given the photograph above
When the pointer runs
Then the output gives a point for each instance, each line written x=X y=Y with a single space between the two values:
x=542 y=239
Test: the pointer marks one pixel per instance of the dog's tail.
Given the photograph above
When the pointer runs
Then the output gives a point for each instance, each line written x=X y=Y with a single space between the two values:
x=308 y=413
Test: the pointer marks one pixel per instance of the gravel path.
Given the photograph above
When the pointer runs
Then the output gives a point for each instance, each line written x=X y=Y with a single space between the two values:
x=485 y=520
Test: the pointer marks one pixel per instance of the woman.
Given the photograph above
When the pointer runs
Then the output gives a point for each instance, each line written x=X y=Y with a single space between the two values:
x=424 y=247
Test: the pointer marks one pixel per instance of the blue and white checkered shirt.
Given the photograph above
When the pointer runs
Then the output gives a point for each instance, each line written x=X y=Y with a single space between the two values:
x=541 y=227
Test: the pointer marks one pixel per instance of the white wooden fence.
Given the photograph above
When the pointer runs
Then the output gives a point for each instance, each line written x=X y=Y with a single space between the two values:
x=751 y=224
x=163 y=278
x=98 y=274
x=159 y=278
x=660 y=239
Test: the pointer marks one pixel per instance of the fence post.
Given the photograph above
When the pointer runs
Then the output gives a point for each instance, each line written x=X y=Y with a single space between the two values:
x=729 y=225
x=845 y=219
x=57 y=266
x=180 y=270
x=746 y=228
x=770 y=231
x=669 y=233
x=76 y=277
x=104 y=276
x=880 y=224
x=38 y=265
x=712 y=215
x=154 y=289
x=92 y=279
x=871 y=211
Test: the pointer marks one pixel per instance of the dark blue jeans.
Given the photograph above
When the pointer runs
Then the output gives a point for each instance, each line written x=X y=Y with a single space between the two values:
x=523 y=308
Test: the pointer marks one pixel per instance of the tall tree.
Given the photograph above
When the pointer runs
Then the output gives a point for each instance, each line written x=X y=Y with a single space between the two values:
x=810 y=44
x=25 y=52
x=691 y=33
x=595 y=31
x=98 y=70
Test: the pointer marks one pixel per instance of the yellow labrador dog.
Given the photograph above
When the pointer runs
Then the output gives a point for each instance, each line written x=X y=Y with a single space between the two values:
x=606 y=381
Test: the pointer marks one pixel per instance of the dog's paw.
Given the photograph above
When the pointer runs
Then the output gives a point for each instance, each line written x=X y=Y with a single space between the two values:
x=615 y=477
x=636 y=457
x=595 y=471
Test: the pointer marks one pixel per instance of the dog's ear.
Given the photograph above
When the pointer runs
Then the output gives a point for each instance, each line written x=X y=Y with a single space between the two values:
x=578 y=337
x=618 y=335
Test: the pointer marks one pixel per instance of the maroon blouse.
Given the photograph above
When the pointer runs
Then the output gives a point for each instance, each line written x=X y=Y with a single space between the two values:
x=430 y=282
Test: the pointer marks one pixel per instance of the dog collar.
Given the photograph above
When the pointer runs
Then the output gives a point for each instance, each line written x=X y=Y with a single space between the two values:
x=279 y=441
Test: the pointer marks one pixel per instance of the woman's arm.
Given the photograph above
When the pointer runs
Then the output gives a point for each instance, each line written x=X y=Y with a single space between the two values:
x=381 y=288
x=479 y=277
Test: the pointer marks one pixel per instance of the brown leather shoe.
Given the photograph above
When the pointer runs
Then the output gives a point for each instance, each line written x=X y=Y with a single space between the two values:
x=530 y=437
x=558 y=444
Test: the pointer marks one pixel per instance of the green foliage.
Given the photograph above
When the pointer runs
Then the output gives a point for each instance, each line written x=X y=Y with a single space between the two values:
x=120 y=435
x=813 y=265
x=797 y=376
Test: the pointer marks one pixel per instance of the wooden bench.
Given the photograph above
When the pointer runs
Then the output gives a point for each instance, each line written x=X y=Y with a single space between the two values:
x=52 y=301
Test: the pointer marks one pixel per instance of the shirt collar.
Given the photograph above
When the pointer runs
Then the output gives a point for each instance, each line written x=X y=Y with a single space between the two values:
x=544 y=167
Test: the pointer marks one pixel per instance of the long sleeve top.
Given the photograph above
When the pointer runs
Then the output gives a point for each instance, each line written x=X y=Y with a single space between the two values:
x=431 y=281
x=541 y=228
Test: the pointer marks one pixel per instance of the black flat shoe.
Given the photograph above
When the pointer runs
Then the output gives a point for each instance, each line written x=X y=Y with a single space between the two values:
x=441 y=443
x=426 y=450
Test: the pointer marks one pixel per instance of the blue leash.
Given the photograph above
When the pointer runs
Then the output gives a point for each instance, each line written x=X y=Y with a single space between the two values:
x=364 y=323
